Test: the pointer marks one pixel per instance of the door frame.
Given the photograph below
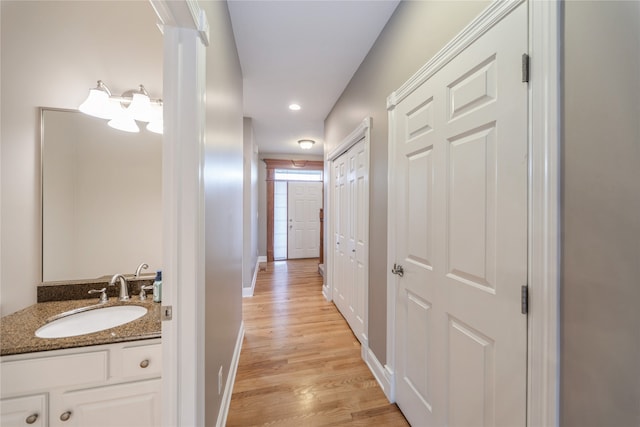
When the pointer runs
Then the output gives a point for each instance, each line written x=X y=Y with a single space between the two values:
x=544 y=188
x=272 y=165
x=185 y=32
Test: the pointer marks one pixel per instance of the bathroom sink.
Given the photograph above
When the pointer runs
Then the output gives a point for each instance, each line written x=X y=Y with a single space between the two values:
x=80 y=322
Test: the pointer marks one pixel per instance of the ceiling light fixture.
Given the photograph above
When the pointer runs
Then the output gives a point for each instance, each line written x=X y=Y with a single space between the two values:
x=306 y=144
x=123 y=111
x=294 y=107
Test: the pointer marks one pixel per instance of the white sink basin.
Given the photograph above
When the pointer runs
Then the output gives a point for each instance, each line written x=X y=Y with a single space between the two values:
x=94 y=320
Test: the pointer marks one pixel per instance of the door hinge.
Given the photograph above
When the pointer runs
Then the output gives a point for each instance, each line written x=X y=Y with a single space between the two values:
x=525 y=68
x=166 y=312
x=524 y=299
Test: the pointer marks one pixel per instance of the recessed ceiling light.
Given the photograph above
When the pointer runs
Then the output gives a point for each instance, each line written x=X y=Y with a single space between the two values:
x=294 y=107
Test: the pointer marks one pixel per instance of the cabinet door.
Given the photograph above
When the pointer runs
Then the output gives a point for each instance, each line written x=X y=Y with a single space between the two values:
x=135 y=404
x=24 y=411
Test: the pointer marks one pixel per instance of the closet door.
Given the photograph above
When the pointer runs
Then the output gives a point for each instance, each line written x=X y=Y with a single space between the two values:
x=351 y=237
x=339 y=235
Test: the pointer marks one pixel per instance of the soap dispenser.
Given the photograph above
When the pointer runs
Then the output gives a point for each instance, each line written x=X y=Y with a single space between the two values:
x=157 y=287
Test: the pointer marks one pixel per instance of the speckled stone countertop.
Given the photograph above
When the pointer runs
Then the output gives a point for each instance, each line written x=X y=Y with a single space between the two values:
x=17 y=330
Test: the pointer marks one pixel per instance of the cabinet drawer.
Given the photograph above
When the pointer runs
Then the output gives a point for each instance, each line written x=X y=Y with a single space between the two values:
x=142 y=360
x=24 y=411
x=23 y=376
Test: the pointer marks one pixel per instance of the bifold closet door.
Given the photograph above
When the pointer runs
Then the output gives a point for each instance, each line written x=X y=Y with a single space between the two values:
x=351 y=236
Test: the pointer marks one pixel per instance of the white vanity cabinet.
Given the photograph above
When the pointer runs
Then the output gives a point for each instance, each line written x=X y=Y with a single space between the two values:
x=132 y=404
x=116 y=384
x=24 y=411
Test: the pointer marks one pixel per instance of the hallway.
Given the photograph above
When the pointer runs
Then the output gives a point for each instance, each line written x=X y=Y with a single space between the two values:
x=300 y=364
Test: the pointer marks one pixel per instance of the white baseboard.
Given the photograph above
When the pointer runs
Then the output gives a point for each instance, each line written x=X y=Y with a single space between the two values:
x=382 y=375
x=231 y=378
x=325 y=292
x=248 y=292
x=262 y=258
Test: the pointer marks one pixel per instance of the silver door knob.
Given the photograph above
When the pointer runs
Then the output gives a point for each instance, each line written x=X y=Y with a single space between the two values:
x=31 y=418
x=144 y=363
x=65 y=416
x=397 y=269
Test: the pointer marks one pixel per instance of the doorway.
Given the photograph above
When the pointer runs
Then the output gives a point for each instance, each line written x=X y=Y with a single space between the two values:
x=348 y=234
x=296 y=220
x=304 y=200
x=283 y=171
x=458 y=233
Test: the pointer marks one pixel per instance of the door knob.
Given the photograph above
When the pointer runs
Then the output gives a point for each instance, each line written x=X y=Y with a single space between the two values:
x=397 y=269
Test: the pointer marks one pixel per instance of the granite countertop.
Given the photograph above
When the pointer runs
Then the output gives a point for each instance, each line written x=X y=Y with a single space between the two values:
x=17 y=330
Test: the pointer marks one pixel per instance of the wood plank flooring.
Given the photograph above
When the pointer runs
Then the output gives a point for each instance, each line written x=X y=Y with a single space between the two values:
x=300 y=363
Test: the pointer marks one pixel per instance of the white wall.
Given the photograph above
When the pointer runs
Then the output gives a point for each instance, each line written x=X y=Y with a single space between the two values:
x=250 y=202
x=52 y=53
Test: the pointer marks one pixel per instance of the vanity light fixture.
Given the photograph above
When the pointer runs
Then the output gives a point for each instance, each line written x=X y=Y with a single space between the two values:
x=294 y=107
x=123 y=121
x=123 y=111
x=306 y=144
x=156 y=124
x=98 y=102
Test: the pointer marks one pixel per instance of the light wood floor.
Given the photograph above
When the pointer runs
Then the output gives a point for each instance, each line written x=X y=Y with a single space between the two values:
x=300 y=363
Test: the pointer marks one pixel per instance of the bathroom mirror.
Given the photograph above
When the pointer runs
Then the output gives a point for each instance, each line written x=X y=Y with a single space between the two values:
x=101 y=197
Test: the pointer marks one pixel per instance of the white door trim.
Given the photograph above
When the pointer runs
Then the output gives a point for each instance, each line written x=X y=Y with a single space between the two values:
x=545 y=20
x=185 y=29
x=544 y=207
x=362 y=131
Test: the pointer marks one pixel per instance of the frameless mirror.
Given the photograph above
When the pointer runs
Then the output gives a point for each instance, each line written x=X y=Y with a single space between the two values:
x=101 y=197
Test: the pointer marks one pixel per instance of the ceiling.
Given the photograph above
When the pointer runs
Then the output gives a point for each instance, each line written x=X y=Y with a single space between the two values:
x=304 y=52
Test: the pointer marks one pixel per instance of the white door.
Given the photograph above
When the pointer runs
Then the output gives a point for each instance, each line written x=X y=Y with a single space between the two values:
x=461 y=237
x=339 y=216
x=304 y=203
x=358 y=236
x=351 y=234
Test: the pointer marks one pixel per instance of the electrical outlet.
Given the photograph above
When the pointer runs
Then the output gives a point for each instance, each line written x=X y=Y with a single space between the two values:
x=220 y=381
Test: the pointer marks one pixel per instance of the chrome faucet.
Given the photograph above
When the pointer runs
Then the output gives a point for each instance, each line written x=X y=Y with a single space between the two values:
x=140 y=267
x=124 y=292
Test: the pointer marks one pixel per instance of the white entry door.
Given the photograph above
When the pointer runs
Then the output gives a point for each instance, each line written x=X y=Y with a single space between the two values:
x=304 y=203
x=460 y=202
